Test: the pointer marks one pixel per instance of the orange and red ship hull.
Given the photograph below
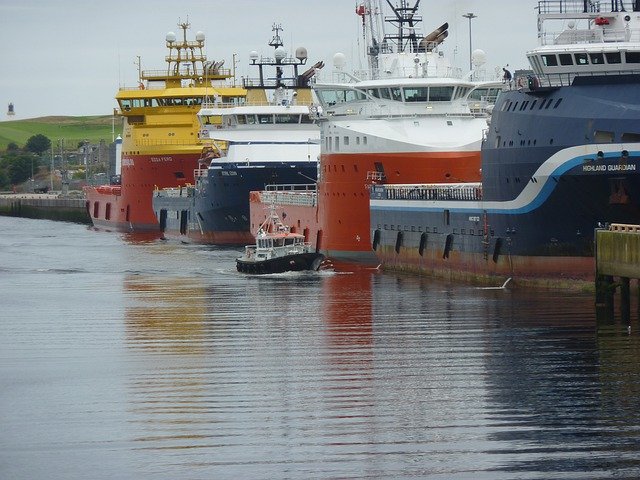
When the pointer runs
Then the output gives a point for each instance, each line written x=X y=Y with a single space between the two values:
x=128 y=207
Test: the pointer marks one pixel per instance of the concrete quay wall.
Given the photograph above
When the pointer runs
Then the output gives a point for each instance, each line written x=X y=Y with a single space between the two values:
x=45 y=206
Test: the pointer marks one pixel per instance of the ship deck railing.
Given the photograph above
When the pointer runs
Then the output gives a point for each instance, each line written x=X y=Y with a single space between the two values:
x=624 y=227
x=209 y=104
x=151 y=143
x=251 y=251
x=587 y=36
x=290 y=187
x=547 y=7
x=175 y=192
x=566 y=79
x=290 y=82
x=290 y=194
x=434 y=191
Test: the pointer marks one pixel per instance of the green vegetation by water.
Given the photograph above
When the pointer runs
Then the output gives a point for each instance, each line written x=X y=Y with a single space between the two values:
x=73 y=129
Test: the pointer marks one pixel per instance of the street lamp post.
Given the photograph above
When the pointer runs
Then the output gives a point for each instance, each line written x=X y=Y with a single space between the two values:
x=470 y=16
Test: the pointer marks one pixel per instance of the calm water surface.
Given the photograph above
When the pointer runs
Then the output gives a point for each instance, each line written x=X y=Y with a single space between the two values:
x=124 y=359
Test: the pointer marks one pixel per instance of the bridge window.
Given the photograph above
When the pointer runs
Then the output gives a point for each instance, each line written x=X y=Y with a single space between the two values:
x=396 y=94
x=373 y=92
x=440 y=94
x=596 y=58
x=550 y=60
x=332 y=97
x=287 y=118
x=384 y=93
x=581 y=59
x=613 y=57
x=264 y=119
x=565 y=59
x=633 y=57
x=416 y=94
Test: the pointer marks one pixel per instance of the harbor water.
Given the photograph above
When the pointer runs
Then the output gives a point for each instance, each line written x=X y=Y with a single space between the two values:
x=125 y=357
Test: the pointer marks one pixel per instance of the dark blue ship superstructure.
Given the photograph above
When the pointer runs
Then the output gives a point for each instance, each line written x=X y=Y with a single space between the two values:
x=561 y=158
x=270 y=139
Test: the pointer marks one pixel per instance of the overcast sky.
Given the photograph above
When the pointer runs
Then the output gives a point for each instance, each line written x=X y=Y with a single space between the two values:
x=68 y=57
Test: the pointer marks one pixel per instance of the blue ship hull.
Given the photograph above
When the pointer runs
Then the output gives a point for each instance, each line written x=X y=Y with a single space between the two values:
x=557 y=163
x=218 y=210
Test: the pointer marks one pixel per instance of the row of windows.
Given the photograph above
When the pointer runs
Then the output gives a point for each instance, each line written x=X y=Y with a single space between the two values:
x=128 y=103
x=413 y=228
x=441 y=93
x=332 y=144
x=599 y=136
x=583 y=58
x=510 y=106
x=260 y=119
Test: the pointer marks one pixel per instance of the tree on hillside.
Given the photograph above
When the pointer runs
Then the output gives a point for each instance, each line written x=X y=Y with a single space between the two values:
x=38 y=144
x=12 y=147
x=20 y=168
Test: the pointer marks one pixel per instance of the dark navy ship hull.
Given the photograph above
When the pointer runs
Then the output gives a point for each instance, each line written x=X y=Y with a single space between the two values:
x=218 y=211
x=551 y=176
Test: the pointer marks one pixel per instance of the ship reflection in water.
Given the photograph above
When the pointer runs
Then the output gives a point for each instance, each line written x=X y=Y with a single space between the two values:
x=126 y=359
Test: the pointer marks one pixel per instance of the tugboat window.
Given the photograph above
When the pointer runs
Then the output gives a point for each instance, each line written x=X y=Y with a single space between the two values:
x=550 y=60
x=565 y=59
x=596 y=58
x=581 y=59
x=633 y=57
x=613 y=57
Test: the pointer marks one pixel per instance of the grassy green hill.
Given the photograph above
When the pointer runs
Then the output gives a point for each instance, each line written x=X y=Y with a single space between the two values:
x=72 y=129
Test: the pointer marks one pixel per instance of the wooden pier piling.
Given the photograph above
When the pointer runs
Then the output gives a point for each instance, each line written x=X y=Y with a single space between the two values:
x=617 y=256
